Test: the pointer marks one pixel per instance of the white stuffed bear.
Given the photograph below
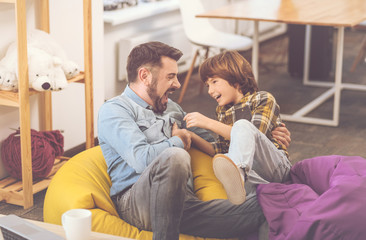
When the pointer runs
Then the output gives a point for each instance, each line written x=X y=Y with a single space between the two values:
x=42 y=40
x=8 y=80
x=45 y=72
x=48 y=65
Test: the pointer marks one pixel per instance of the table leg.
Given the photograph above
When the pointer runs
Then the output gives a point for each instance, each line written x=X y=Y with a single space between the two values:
x=255 y=50
x=338 y=75
x=335 y=89
x=307 y=48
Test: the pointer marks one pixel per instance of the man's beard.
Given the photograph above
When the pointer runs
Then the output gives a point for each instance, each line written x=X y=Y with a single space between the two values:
x=158 y=107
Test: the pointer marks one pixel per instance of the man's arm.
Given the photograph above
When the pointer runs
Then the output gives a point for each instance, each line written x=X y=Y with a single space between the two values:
x=282 y=135
x=183 y=134
x=119 y=131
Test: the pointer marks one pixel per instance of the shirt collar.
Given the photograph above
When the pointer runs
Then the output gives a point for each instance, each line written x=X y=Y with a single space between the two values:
x=134 y=97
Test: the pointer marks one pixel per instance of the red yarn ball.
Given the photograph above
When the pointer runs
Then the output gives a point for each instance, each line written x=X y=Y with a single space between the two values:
x=46 y=145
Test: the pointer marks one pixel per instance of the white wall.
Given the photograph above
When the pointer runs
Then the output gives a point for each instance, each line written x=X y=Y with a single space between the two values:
x=66 y=23
x=113 y=34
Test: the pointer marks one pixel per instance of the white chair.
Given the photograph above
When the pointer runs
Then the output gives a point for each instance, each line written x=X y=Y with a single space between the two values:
x=202 y=34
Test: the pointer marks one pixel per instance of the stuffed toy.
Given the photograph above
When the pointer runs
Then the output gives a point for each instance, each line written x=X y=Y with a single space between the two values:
x=48 y=66
x=45 y=71
x=8 y=80
x=42 y=40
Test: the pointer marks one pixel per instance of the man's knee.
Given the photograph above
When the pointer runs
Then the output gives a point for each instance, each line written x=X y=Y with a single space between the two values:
x=177 y=159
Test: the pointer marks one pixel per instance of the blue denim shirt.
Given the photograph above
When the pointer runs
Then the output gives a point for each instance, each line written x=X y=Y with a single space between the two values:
x=131 y=136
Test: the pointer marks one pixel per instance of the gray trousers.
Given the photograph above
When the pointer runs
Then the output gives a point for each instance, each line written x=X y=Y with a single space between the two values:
x=251 y=150
x=161 y=201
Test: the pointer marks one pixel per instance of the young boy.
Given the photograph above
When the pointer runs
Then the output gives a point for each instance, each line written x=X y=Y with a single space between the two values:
x=246 y=151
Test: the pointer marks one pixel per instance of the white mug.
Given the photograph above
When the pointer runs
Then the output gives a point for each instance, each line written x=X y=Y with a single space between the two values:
x=77 y=224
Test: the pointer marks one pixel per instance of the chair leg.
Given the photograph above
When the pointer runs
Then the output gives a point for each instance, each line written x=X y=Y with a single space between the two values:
x=186 y=81
x=202 y=83
x=360 y=55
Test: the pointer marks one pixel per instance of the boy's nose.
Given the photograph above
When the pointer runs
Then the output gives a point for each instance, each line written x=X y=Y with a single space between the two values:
x=210 y=91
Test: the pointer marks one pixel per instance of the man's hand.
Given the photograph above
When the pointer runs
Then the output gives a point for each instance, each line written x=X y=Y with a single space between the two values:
x=196 y=119
x=282 y=135
x=183 y=134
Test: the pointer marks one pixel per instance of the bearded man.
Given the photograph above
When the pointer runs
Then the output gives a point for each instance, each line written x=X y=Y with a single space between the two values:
x=144 y=141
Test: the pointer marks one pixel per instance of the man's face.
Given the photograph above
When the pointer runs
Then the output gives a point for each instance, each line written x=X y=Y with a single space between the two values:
x=164 y=82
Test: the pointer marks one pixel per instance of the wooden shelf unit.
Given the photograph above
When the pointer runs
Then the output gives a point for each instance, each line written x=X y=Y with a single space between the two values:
x=21 y=192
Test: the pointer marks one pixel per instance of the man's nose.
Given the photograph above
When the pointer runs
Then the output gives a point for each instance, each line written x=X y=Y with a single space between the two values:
x=176 y=83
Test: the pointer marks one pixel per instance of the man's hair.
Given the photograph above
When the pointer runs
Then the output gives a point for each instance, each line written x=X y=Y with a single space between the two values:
x=149 y=54
x=232 y=67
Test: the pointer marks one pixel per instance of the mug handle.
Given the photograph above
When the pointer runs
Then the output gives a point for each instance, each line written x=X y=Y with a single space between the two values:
x=63 y=220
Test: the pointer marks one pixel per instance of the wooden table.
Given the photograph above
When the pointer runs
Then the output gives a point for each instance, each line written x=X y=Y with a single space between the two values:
x=57 y=229
x=336 y=13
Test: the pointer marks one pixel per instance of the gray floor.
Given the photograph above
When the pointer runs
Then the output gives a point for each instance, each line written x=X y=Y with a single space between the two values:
x=307 y=140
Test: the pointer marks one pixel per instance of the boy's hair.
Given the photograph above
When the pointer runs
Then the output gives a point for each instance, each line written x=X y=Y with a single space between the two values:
x=232 y=67
x=149 y=54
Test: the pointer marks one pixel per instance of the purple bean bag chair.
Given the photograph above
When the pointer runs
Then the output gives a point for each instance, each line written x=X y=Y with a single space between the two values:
x=326 y=199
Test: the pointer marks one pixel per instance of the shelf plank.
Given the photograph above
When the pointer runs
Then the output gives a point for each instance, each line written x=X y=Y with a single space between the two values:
x=7 y=1
x=11 y=98
x=140 y=11
x=15 y=198
x=11 y=189
x=7 y=181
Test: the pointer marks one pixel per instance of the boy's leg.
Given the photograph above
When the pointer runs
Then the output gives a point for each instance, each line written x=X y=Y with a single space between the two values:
x=219 y=218
x=155 y=202
x=252 y=150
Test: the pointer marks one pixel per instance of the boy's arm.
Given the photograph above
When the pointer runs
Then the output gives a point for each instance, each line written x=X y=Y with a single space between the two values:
x=196 y=119
x=265 y=112
x=202 y=144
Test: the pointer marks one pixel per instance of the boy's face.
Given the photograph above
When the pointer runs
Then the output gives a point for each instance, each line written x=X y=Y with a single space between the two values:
x=220 y=90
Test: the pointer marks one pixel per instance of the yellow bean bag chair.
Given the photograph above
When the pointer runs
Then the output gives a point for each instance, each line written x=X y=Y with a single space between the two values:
x=83 y=182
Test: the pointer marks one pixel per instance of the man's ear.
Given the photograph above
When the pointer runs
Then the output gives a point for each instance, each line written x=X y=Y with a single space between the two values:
x=145 y=75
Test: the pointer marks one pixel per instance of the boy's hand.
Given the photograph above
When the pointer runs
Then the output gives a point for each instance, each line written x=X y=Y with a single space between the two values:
x=282 y=135
x=196 y=119
x=183 y=134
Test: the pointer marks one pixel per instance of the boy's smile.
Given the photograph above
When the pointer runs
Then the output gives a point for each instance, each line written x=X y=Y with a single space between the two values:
x=224 y=94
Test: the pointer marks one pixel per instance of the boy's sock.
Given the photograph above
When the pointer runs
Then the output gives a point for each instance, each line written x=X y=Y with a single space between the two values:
x=231 y=177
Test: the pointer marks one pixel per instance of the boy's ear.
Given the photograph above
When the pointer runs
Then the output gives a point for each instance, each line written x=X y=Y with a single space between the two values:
x=237 y=87
x=145 y=75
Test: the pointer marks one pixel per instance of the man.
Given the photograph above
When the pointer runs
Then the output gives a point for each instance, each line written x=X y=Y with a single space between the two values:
x=142 y=136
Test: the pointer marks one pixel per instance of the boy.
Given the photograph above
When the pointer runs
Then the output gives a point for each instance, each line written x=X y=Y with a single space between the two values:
x=246 y=151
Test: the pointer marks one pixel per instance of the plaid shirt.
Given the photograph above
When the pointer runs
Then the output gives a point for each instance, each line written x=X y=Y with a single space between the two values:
x=260 y=108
